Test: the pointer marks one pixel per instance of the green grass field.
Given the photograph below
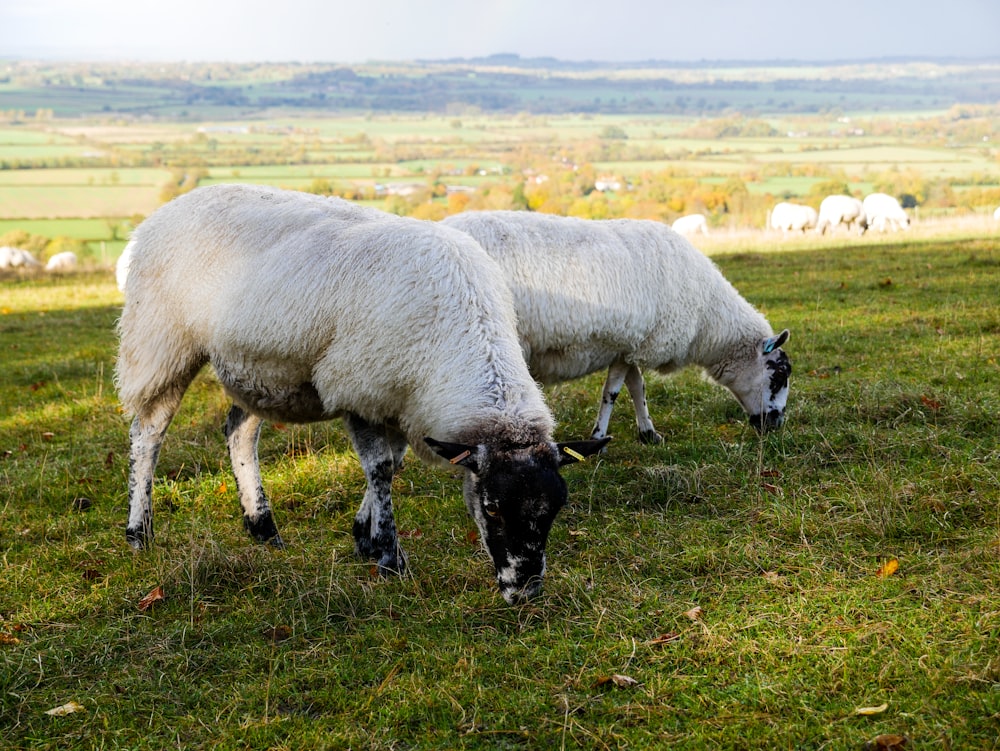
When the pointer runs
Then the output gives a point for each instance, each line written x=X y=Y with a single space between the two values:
x=718 y=591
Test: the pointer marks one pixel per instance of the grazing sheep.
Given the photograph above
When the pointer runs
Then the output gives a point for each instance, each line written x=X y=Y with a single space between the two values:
x=13 y=258
x=882 y=210
x=847 y=210
x=65 y=261
x=793 y=217
x=691 y=224
x=311 y=308
x=628 y=294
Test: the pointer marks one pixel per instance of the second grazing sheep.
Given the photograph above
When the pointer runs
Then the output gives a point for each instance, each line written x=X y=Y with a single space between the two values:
x=311 y=308
x=624 y=295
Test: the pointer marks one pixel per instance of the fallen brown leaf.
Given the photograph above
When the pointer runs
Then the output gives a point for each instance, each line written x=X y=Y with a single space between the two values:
x=886 y=742
x=278 y=634
x=888 y=568
x=621 y=681
x=68 y=708
x=695 y=613
x=868 y=711
x=154 y=596
x=9 y=640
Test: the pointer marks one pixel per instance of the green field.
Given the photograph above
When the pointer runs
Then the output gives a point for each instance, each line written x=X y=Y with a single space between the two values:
x=737 y=587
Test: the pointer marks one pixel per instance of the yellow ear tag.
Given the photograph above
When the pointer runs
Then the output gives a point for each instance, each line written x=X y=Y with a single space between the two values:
x=576 y=455
x=465 y=454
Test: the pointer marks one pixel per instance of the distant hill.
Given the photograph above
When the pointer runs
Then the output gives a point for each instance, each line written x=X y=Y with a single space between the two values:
x=504 y=83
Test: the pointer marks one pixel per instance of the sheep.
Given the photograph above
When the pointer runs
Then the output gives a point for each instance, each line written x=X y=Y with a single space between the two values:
x=310 y=308
x=65 y=261
x=792 y=217
x=12 y=258
x=882 y=209
x=835 y=210
x=691 y=224
x=626 y=294
x=996 y=214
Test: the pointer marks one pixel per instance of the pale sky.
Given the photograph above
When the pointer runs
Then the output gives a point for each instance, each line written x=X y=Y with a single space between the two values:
x=351 y=31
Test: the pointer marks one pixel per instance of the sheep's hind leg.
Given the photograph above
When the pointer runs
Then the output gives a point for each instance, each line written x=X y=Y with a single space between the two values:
x=380 y=450
x=637 y=390
x=612 y=387
x=146 y=436
x=242 y=433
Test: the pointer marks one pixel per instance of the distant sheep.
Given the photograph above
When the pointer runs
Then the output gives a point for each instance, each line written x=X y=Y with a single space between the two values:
x=883 y=211
x=793 y=217
x=311 y=308
x=837 y=210
x=65 y=261
x=692 y=224
x=629 y=294
x=14 y=258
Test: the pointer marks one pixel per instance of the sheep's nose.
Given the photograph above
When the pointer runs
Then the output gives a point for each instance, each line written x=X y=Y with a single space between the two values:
x=774 y=419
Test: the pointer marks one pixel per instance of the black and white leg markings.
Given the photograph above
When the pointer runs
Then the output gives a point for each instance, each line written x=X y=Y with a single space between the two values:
x=381 y=452
x=242 y=434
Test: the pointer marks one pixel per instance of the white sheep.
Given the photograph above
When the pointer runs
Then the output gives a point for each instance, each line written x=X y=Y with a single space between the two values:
x=13 y=258
x=884 y=211
x=846 y=210
x=691 y=224
x=65 y=261
x=996 y=214
x=793 y=217
x=311 y=308
x=629 y=294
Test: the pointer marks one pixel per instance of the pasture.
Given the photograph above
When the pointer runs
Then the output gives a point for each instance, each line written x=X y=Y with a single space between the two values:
x=833 y=582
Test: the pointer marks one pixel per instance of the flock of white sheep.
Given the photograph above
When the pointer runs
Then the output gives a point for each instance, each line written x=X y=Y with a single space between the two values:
x=14 y=258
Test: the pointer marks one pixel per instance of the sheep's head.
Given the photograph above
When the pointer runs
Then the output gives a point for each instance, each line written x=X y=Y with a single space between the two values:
x=514 y=494
x=760 y=382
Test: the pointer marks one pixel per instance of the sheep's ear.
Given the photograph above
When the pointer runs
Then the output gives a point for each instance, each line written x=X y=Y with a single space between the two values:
x=774 y=342
x=577 y=451
x=456 y=453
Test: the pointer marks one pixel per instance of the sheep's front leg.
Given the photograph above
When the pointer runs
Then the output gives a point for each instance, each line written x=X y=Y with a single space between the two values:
x=637 y=390
x=380 y=450
x=242 y=433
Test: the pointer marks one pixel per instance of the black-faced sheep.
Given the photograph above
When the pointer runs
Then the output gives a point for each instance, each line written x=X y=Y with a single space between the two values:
x=312 y=308
x=624 y=295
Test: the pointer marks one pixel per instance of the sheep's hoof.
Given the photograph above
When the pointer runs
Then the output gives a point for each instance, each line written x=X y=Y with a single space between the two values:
x=137 y=538
x=264 y=530
x=650 y=437
x=392 y=564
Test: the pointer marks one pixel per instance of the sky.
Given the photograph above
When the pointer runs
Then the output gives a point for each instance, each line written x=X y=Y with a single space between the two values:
x=355 y=31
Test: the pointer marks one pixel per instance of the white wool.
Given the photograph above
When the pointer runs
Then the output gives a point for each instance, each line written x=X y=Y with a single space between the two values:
x=690 y=224
x=793 y=217
x=839 y=209
x=397 y=320
x=62 y=261
x=883 y=211
x=590 y=292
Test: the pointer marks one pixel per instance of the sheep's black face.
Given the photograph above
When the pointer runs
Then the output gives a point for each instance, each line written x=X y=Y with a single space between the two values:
x=514 y=495
x=514 y=501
